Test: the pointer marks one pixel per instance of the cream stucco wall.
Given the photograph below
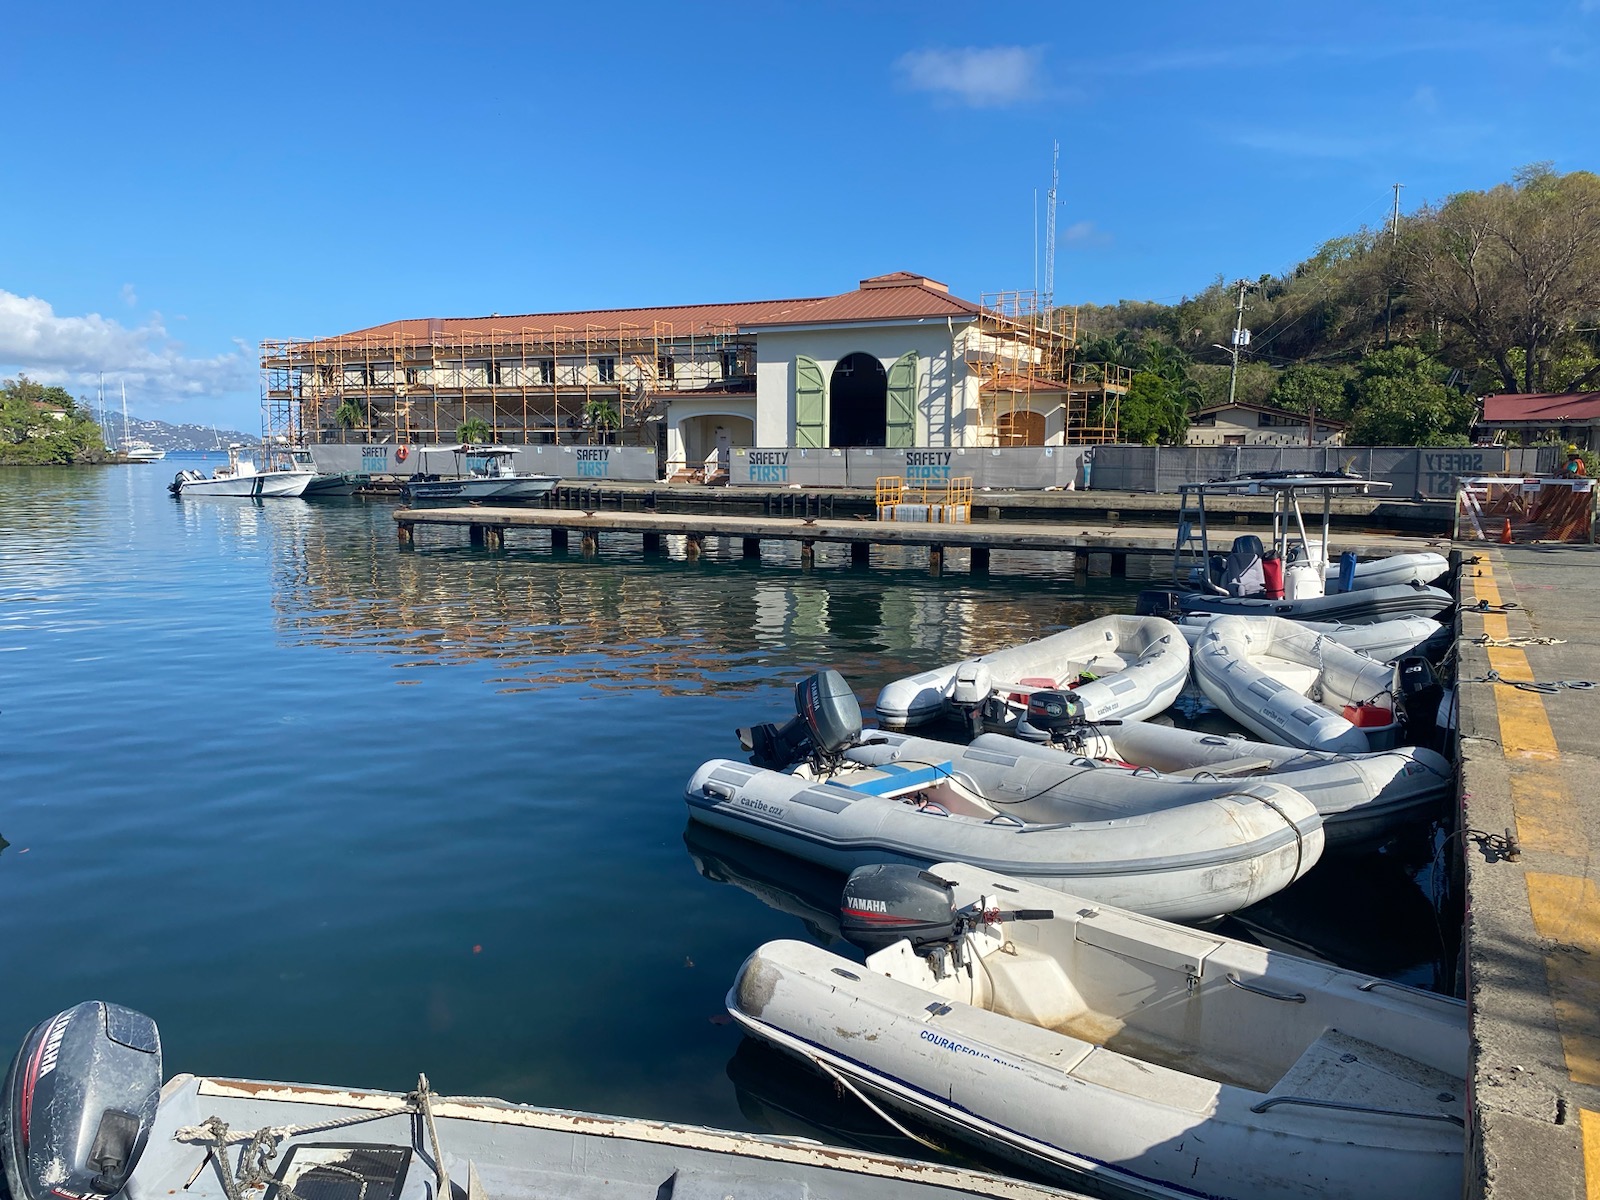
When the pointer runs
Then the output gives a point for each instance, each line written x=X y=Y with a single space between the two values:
x=941 y=420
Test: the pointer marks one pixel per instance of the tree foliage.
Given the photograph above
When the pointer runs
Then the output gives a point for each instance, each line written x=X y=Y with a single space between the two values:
x=41 y=426
x=1488 y=291
x=472 y=430
x=1401 y=399
x=1512 y=272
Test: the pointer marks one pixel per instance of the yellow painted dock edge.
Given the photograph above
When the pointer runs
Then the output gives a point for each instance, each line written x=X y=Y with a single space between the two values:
x=1565 y=908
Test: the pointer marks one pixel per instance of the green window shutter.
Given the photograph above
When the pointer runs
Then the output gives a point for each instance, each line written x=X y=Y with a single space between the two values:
x=902 y=415
x=810 y=403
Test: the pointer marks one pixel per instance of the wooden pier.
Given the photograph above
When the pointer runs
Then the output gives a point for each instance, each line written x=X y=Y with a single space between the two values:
x=490 y=527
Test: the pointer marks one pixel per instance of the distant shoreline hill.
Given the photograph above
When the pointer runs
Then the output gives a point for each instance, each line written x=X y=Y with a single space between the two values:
x=174 y=438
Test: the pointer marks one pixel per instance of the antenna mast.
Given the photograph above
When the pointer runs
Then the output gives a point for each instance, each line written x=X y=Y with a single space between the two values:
x=1050 y=227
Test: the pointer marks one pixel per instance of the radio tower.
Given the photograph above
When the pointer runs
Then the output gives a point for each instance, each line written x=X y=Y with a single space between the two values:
x=1049 y=297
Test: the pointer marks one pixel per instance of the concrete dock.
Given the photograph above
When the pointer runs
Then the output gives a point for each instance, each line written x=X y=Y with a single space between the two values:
x=491 y=527
x=1530 y=822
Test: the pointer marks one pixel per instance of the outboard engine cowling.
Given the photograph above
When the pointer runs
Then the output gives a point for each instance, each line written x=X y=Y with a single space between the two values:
x=1155 y=602
x=887 y=902
x=827 y=719
x=1054 y=712
x=78 y=1103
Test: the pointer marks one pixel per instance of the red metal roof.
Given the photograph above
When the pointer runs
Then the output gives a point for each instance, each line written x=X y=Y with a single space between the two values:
x=1556 y=408
x=883 y=297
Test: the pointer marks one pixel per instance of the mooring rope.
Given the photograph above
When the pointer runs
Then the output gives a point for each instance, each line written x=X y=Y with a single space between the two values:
x=839 y=1078
x=1548 y=688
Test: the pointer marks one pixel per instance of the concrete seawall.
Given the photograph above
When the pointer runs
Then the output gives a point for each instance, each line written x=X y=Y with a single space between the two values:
x=1530 y=781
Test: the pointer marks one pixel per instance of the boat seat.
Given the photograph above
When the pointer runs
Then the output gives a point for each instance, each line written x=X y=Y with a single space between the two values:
x=1343 y=1068
x=902 y=779
x=1298 y=677
x=1230 y=768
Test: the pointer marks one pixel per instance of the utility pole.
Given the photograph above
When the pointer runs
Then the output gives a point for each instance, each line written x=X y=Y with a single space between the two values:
x=1394 y=238
x=1241 y=339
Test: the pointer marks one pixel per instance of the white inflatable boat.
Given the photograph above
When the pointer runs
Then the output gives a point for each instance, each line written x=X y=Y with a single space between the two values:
x=1120 y=1053
x=1361 y=797
x=1385 y=641
x=1291 y=685
x=1185 y=849
x=1424 y=566
x=1122 y=668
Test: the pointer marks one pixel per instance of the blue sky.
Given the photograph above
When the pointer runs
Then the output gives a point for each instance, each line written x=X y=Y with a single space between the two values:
x=183 y=180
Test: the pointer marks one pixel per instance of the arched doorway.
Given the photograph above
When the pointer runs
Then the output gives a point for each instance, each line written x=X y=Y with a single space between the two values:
x=858 y=396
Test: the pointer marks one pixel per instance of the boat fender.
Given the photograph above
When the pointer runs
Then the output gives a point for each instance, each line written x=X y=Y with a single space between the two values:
x=401 y=454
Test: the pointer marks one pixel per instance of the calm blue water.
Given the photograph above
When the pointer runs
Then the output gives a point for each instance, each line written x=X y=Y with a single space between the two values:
x=334 y=812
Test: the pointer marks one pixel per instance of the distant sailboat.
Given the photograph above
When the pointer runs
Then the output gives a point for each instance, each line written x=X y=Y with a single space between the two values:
x=133 y=451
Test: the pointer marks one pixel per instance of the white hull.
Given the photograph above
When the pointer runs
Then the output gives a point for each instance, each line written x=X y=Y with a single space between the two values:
x=1261 y=672
x=264 y=485
x=1360 y=797
x=1141 y=1058
x=1385 y=641
x=492 y=1149
x=503 y=488
x=1141 y=664
x=1416 y=568
x=1358 y=607
x=1183 y=849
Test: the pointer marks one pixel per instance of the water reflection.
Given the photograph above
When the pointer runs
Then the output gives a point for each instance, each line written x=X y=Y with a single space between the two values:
x=622 y=621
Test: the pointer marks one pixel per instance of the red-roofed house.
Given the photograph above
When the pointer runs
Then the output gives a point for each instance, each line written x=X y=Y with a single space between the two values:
x=1572 y=417
x=897 y=362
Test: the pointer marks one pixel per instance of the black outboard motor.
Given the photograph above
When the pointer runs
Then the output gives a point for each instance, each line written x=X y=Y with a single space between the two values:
x=78 y=1103
x=827 y=719
x=1155 y=602
x=885 y=903
x=1420 y=694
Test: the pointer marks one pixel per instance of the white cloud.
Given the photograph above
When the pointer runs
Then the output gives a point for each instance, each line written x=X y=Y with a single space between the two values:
x=129 y=296
x=1425 y=99
x=72 y=352
x=981 y=78
x=1082 y=231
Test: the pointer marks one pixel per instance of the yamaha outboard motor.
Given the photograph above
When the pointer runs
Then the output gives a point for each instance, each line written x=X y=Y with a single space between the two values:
x=78 y=1103
x=885 y=903
x=827 y=720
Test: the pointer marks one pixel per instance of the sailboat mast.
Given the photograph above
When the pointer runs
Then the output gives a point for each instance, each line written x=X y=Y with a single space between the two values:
x=125 y=442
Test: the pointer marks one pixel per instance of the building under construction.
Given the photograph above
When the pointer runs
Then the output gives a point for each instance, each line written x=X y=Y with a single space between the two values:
x=897 y=361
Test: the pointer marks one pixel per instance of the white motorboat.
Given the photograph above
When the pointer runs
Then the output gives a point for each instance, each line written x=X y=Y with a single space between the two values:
x=1291 y=685
x=482 y=473
x=1120 y=667
x=1111 y=1050
x=86 y=1115
x=1361 y=798
x=1188 y=849
x=1290 y=575
x=1386 y=641
x=239 y=478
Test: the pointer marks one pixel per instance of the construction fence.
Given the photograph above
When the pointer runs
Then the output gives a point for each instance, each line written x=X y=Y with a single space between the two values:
x=1024 y=468
x=583 y=464
x=1412 y=472
x=1525 y=509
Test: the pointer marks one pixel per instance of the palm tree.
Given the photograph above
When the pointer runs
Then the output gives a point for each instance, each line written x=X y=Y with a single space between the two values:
x=349 y=414
x=473 y=429
x=601 y=417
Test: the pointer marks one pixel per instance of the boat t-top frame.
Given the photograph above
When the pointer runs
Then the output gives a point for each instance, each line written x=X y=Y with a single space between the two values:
x=1193 y=545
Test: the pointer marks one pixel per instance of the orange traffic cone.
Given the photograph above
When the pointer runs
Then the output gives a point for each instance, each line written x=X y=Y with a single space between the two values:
x=1505 y=533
